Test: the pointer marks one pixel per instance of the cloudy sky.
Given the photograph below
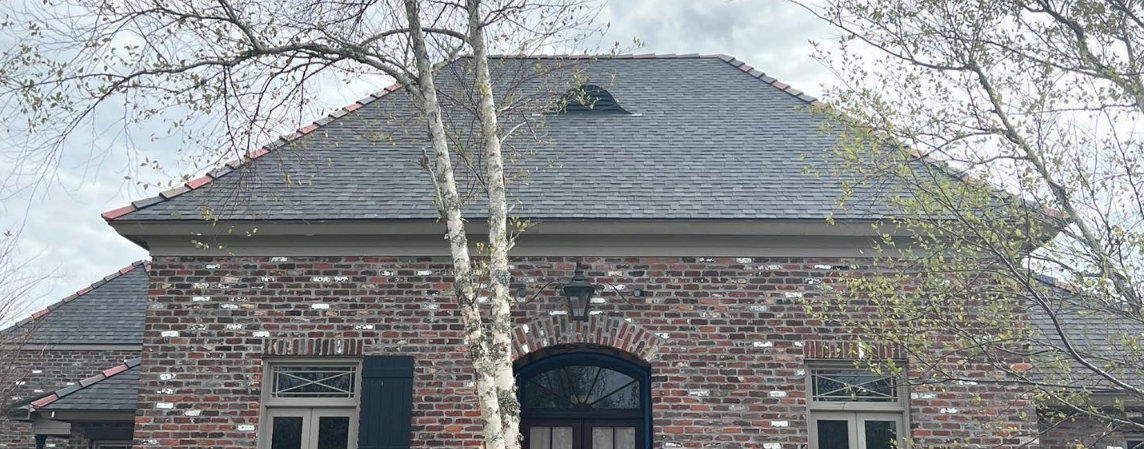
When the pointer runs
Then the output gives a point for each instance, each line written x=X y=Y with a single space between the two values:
x=64 y=235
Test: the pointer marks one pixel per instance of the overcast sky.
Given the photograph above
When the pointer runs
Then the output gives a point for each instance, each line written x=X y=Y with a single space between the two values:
x=65 y=235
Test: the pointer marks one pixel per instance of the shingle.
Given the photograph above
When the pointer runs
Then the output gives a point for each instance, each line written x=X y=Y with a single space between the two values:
x=1097 y=334
x=735 y=146
x=111 y=313
x=117 y=393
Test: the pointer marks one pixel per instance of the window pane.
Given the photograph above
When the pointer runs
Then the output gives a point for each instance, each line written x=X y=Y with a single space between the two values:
x=602 y=438
x=1135 y=444
x=833 y=434
x=540 y=438
x=582 y=387
x=833 y=385
x=625 y=438
x=561 y=438
x=881 y=434
x=312 y=381
x=333 y=432
x=287 y=432
x=580 y=381
x=627 y=397
x=537 y=395
x=607 y=382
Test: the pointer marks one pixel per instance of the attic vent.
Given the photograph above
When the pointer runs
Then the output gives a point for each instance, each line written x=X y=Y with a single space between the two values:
x=590 y=98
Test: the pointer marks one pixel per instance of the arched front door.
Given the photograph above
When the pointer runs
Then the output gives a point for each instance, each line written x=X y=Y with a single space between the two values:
x=584 y=401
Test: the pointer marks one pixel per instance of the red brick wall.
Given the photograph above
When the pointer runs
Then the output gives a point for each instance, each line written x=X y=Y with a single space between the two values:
x=45 y=371
x=726 y=338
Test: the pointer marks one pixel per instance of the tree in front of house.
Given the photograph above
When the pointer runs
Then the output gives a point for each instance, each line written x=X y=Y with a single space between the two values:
x=19 y=281
x=1008 y=133
x=225 y=75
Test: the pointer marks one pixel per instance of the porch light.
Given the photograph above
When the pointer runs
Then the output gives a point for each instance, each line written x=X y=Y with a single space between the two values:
x=578 y=293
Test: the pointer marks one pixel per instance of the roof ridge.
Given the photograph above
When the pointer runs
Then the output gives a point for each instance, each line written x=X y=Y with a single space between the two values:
x=251 y=155
x=83 y=291
x=83 y=384
x=741 y=65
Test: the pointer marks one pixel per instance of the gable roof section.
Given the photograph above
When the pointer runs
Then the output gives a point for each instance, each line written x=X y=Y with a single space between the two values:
x=108 y=312
x=1099 y=335
x=709 y=137
x=112 y=390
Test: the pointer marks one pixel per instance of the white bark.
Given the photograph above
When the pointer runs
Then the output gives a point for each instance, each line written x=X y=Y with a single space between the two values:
x=450 y=206
x=500 y=325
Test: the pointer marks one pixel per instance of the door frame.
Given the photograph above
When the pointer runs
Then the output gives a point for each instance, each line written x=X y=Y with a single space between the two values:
x=642 y=374
x=856 y=426
x=581 y=429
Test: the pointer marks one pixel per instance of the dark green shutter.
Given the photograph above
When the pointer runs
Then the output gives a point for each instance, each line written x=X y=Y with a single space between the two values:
x=386 y=402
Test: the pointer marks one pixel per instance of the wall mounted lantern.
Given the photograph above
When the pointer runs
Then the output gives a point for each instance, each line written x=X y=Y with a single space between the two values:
x=578 y=294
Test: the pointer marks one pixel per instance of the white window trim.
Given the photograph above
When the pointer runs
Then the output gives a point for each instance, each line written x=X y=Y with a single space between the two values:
x=269 y=403
x=898 y=411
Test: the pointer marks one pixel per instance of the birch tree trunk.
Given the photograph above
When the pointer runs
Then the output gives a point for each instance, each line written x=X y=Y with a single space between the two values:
x=450 y=206
x=500 y=326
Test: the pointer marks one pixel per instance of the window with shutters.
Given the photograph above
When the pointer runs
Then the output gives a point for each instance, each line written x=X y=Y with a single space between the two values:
x=855 y=409
x=310 y=404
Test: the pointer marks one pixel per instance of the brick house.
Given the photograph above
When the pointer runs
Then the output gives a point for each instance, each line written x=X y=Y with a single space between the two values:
x=313 y=308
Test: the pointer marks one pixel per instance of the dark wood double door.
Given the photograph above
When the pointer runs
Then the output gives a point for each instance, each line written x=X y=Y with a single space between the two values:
x=582 y=434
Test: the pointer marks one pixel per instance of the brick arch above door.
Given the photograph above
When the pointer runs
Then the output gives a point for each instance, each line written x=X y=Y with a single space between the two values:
x=599 y=330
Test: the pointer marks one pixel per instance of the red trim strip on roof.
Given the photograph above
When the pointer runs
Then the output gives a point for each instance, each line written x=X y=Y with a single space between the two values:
x=83 y=384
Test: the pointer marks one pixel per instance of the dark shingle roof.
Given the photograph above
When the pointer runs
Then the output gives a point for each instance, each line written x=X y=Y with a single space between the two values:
x=110 y=311
x=1112 y=341
x=707 y=138
x=114 y=389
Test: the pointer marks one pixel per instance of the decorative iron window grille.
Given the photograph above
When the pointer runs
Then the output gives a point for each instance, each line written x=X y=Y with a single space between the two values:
x=314 y=381
x=851 y=385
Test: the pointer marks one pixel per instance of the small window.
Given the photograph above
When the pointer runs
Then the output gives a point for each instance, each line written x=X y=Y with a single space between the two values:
x=310 y=405
x=1135 y=443
x=582 y=387
x=855 y=409
x=851 y=385
x=589 y=98
x=314 y=381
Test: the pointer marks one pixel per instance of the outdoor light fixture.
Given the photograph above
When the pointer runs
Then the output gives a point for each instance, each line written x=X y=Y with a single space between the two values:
x=578 y=294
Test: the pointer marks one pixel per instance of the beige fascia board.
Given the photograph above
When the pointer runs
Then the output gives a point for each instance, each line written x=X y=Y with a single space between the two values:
x=557 y=227
x=88 y=415
x=526 y=245
x=571 y=238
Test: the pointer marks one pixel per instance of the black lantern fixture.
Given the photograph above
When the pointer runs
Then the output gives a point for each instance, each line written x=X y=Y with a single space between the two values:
x=578 y=294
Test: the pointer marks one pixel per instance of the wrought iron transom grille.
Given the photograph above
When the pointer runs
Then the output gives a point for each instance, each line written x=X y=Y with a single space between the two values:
x=314 y=381
x=852 y=385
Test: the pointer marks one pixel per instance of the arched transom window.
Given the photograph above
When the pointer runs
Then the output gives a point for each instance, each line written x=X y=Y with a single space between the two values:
x=584 y=401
